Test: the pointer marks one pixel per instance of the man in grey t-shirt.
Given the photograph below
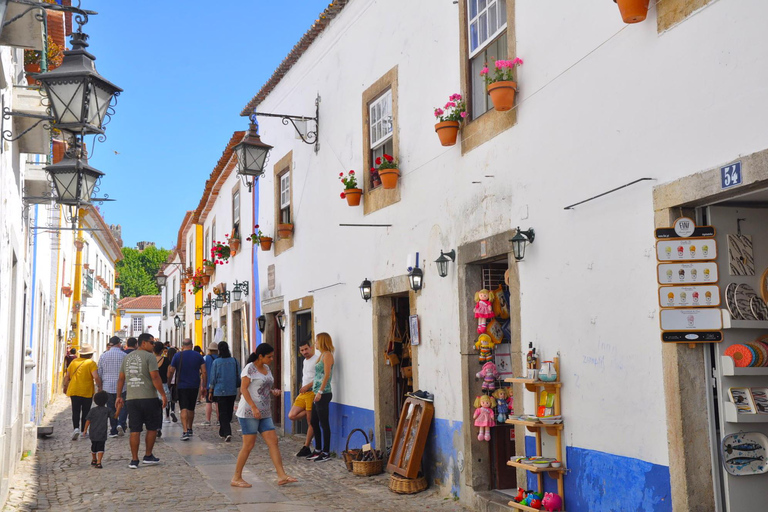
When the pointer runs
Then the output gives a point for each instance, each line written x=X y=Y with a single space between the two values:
x=140 y=375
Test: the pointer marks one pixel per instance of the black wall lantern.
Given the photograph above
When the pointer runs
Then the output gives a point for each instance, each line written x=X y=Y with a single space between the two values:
x=177 y=321
x=252 y=154
x=442 y=262
x=365 y=289
x=239 y=289
x=74 y=179
x=221 y=299
x=262 y=321
x=416 y=276
x=161 y=279
x=281 y=320
x=520 y=240
x=207 y=307
x=198 y=313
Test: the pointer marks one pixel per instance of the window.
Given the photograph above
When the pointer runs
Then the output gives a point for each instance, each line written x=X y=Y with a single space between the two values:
x=137 y=325
x=207 y=247
x=191 y=256
x=487 y=24
x=236 y=213
x=213 y=231
x=381 y=128
x=285 y=197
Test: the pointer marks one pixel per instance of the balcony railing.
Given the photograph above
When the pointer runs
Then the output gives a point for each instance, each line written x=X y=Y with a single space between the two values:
x=114 y=305
x=105 y=301
x=179 y=299
x=87 y=284
x=165 y=312
x=172 y=308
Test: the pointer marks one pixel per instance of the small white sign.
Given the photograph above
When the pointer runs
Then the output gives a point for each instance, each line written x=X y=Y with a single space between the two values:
x=684 y=227
x=687 y=273
x=691 y=319
x=686 y=250
x=689 y=296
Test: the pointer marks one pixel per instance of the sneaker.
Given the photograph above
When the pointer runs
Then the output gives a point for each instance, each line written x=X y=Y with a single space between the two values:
x=134 y=464
x=206 y=423
x=304 y=452
x=314 y=455
x=166 y=419
x=323 y=457
x=173 y=417
x=189 y=432
x=120 y=430
x=423 y=395
x=185 y=437
x=150 y=459
x=159 y=433
x=228 y=439
x=75 y=434
x=112 y=435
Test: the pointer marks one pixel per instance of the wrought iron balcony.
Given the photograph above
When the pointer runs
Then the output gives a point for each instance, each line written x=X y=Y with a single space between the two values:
x=87 y=284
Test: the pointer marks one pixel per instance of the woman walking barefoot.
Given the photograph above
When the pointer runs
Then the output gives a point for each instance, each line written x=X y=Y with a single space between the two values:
x=254 y=413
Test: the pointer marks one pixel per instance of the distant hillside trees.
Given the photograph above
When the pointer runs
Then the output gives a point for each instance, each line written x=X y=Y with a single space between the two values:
x=136 y=271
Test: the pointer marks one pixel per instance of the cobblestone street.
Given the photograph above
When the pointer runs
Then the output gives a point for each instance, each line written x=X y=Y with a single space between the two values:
x=193 y=475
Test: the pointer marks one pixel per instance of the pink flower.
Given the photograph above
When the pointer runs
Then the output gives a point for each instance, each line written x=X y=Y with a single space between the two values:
x=517 y=62
x=463 y=115
x=439 y=112
x=341 y=174
x=450 y=104
x=484 y=71
x=343 y=195
x=351 y=172
x=455 y=97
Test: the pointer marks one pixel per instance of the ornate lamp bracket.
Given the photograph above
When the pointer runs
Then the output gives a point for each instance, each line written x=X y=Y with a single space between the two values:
x=311 y=137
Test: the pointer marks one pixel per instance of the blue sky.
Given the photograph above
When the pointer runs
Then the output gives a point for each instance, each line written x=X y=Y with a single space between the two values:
x=187 y=70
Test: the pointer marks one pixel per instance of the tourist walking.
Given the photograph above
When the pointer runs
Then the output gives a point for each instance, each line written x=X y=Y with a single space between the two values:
x=322 y=389
x=80 y=383
x=96 y=427
x=162 y=367
x=170 y=409
x=190 y=367
x=254 y=412
x=130 y=345
x=140 y=374
x=213 y=354
x=223 y=382
x=302 y=406
x=110 y=363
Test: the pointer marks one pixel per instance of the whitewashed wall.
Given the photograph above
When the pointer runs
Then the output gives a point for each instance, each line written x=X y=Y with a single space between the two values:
x=589 y=119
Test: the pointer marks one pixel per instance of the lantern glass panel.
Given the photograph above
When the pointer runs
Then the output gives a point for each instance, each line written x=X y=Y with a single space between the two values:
x=236 y=293
x=100 y=99
x=220 y=301
x=198 y=314
x=66 y=99
x=66 y=184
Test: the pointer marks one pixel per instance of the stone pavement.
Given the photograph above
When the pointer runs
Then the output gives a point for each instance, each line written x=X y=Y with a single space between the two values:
x=194 y=475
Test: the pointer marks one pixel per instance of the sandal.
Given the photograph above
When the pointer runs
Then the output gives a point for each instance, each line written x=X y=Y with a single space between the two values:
x=287 y=480
x=241 y=483
x=98 y=465
x=93 y=463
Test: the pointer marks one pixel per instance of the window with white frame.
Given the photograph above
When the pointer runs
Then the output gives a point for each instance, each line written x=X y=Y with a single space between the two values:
x=487 y=33
x=207 y=247
x=381 y=130
x=236 y=213
x=137 y=325
x=213 y=231
x=190 y=256
x=285 y=197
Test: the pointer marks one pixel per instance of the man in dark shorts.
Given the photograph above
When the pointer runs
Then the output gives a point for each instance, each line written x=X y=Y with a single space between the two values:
x=190 y=380
x=139 y=371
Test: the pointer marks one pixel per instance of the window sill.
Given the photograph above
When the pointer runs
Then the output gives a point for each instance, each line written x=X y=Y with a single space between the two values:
x=379 y=197
x=486 y=127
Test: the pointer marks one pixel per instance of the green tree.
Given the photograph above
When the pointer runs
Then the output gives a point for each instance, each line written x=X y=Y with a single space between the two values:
x=136 y=271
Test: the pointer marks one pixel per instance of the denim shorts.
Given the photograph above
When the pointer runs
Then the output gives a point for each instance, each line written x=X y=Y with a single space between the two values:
x=252 y=426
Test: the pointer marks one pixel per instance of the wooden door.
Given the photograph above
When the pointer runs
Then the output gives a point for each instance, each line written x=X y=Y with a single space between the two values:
x=277 y=365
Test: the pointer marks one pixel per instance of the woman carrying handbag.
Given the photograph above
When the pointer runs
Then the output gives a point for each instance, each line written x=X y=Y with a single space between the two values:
x=222 y=388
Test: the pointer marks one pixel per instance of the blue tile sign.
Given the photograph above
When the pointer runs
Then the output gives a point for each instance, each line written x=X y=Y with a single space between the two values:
x=730 y=175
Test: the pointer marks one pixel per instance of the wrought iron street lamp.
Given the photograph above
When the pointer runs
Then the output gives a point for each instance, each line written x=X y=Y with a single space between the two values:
x=177 y=321
x=239 y=289
x=281 y=320
x=161 y=279
x=74 y=179
x=207 y=307
x=262 y=321
x=365 y=289
x=442 y=262
x=221 y=299
x=416 y=276
x=252 y=154
x=520 y=240
x=198 y=313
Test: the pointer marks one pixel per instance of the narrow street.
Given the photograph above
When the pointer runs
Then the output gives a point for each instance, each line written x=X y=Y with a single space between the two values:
x=193 y=476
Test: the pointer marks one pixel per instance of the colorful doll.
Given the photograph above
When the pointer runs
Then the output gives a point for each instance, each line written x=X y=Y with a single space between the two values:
x=484 y=344
x=483 y=308
x=484 y=416
x=504 y=403
x=489 y=374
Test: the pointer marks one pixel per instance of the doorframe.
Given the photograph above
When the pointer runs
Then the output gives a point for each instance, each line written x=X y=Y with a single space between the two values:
x=686 y=391
x=296 y=306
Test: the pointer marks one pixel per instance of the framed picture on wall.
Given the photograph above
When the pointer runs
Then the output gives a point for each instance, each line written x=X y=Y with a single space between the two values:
x=413 y=322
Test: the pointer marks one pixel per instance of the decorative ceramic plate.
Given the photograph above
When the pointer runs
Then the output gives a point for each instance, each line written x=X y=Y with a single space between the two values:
x=765 y=347
x=744 y=453
x=730 y=301
x=744 y=294
x=758 y=307
x=762 y=355
x=742 y=356
x=764 y=285
x=754 y=356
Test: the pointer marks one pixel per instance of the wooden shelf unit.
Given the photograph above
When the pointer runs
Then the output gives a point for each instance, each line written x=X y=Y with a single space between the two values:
x=536 y=427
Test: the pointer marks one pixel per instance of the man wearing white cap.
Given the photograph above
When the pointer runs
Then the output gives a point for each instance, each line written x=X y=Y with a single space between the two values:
x=80 y=383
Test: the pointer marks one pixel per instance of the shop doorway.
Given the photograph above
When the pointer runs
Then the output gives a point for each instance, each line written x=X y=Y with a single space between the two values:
x=402 y=362
x=303 y=333
x=277 y=365
x=236 y=347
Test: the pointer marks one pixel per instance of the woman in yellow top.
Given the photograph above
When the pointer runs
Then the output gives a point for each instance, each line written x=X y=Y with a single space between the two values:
x=80 y=383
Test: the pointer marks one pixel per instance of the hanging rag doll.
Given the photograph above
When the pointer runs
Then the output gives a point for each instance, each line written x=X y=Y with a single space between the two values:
x=489 y=374
x=485 y=345
x=483 y=308
x=484 y=416
x=504 y=403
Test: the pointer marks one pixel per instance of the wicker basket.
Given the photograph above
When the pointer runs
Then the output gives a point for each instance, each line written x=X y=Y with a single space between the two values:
x=350 y=455
x=402 y=485
x=367 y=467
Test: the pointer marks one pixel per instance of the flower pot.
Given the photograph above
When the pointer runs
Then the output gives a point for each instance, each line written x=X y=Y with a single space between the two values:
x=32 y=68
x=266 y=243
x=59 y=147
x=79 y=245
x=353 y=196
x=502 y=95
x=234 y=246
x=389 y=178
x=86 y=266
x=447 y=131
x=633 y=11
x=284 y=230
x=206 y=280
x=209 y=270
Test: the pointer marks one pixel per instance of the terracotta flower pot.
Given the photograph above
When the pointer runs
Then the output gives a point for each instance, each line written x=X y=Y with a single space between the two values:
x=31 y=68
x=59 y=147
x=633 y=11
x=284 y=230
x=353 y=195
x=502 y=95
x=234 y=245
x=79 y=245
x=447 y=131
x=266 y=243
x=209 y=270
x=206 y=279
x=389 y=178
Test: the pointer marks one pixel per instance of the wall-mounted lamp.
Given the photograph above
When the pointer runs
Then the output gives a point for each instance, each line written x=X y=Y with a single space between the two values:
x=122 y=312
x=198 y=313
x=207 y=307
x=442 y=262
x=161 y=279
x=520 y=240
x=221 y=299
x=416 y=276
x=239 y=289
x=262 y=321
x=177 y=321
x=365 y=289
x=281 y=320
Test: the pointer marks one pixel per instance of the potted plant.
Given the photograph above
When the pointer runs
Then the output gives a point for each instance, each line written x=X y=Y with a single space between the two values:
x=284 y=230
x=199 y=279
x=79 y=243
x=190 y=272
x=66 y=290
x=258 y=238
x=449 y=119
x=234 y=242
x=209 y=267
x=32 y=60
x=633 y=11
x=501 y=84
x=351 y=193
x=86 y=266
x=220 y=253
x=375 y=178
x=388 y=171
